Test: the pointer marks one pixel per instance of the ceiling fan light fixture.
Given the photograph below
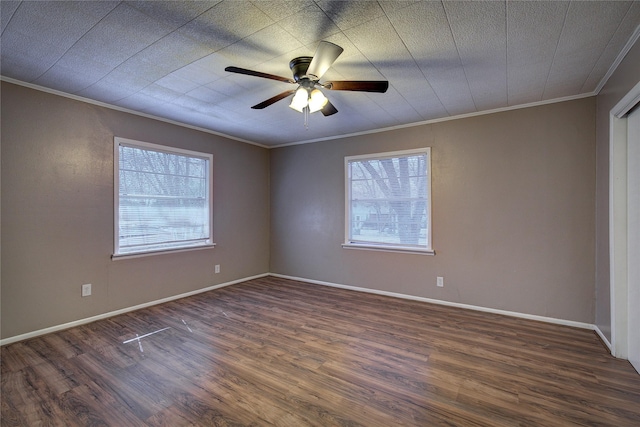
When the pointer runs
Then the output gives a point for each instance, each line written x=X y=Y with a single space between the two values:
x=317 y=101
x=300 y=100
x=307 y=72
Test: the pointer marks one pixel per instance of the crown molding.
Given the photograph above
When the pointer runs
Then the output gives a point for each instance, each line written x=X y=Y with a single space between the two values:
x=125 y=110
x=627 y=47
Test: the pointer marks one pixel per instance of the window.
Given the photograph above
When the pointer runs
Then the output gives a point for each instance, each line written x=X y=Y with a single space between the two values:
x=163 y=198
x=388 y=201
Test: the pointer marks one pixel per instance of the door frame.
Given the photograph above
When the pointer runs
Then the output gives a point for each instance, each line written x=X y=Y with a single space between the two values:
x=618 y=274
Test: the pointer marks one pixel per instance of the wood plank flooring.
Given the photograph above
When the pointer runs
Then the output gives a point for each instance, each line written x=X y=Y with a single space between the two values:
x=278 y=352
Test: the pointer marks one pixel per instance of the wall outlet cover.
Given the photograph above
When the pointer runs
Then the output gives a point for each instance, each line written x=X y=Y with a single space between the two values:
x=86 y=290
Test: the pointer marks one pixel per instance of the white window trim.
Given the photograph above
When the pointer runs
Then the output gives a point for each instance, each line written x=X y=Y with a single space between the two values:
x=348 y=244
x=117 y=142
x=384 y=248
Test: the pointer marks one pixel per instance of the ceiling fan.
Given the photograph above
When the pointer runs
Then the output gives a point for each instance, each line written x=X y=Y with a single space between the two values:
x=307 y=71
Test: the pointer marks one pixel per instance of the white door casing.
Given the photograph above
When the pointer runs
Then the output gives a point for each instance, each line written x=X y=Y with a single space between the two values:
x=633 y=236
x=618 y=229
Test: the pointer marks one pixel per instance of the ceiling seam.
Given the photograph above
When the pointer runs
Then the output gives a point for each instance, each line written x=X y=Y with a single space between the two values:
x=378 y=70
x=157 y=41
x=417 y=66
x=114 y=67
x=555 y=51
x=273 y=22
x=328 y=18
x=11 y=18
x=455 y=43
x=76 y=42
x=149 y=45
x=213 y=52
x=608 y=44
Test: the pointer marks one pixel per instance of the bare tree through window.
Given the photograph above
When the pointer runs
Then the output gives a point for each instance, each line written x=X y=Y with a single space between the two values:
x=389 y=199
x=163 y=198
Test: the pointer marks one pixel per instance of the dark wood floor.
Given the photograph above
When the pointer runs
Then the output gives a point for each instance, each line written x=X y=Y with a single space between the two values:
x=278 y=352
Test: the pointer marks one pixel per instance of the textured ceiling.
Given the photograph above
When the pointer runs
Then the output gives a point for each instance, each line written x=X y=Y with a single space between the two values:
x=442 y=59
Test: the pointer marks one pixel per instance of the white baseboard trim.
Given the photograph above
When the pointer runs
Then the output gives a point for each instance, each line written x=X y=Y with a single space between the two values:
x=68 y=325
x=448 y=303
x=603 y=338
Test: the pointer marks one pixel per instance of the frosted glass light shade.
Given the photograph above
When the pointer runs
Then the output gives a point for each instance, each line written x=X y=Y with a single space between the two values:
x=300 y=100
x=317 y=100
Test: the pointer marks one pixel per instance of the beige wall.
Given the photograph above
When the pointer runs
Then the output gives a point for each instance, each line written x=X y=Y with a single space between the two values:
x=57 y=212
x=513 y=212
x=619 y=84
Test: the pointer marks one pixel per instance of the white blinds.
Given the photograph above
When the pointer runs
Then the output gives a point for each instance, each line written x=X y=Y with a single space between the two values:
x=163 y=199
x=388 y=199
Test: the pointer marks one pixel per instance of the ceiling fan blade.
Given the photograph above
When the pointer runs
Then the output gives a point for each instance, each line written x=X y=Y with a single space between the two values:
x=380 y=86
x=273 y=100
x=329 y=109
x=325 y=55
x=258 y=74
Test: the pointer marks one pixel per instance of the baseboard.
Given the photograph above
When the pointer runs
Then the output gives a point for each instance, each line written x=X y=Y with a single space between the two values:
x=317 y=282
x=603 y=338
x=448 y=303
x=68 y=325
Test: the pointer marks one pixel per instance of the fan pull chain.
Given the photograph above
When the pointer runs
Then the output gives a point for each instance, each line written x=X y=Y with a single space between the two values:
x=306 y=118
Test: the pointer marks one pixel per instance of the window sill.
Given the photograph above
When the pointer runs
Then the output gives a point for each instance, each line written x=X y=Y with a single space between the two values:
x=371 y=247
x=118 y=257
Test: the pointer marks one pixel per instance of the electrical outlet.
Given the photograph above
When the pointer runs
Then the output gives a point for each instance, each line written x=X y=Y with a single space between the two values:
x=217 y=268
x=86 y=290
x=440 y=282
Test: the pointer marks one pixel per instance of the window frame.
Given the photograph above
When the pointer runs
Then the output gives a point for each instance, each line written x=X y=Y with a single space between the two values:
x=117 y=143
x=350 y=243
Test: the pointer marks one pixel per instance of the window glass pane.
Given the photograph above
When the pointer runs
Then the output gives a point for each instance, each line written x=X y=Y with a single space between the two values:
x=388 y=200
x=163 y=200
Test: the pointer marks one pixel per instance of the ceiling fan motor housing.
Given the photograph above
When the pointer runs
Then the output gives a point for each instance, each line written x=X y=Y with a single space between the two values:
x=299 y=67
